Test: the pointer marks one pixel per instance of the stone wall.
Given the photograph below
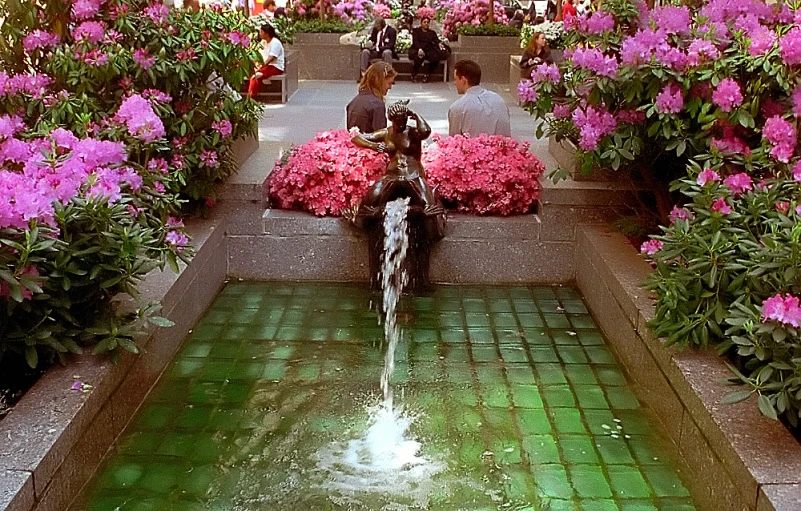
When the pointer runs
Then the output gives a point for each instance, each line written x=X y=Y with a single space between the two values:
x=738 y=459
x=321 y=57
x=491 y=53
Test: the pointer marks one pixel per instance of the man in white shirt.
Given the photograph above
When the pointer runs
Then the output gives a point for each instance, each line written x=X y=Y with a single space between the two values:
x=273 y=54
x=479 y=110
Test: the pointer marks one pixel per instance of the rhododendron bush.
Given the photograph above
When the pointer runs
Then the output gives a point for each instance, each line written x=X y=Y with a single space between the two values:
x=482 y=175
x=72 y=64
x=718 y=86
x=79 y=223
x=470 y=12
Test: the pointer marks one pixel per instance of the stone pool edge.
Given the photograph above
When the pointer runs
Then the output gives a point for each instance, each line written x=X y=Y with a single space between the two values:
x=741 y=460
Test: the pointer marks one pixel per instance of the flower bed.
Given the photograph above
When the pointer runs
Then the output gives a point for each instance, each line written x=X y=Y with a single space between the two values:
x=716 y=89
x=491 y=175
x=474 y=12
x=115 y=118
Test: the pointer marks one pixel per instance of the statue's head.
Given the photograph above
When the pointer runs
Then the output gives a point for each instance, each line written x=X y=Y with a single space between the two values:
x=398 y=113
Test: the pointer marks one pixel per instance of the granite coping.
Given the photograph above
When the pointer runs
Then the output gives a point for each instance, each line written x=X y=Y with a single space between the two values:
x=44 y=427
x=760 y=455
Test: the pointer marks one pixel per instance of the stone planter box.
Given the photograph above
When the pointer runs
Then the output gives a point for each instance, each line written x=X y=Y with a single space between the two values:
x=321 y=57
x=490 y=52
x=515 y=74
x=564 y=152
x=738 y=459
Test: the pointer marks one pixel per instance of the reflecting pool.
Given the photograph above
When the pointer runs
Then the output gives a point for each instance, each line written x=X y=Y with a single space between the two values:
x=511 y=392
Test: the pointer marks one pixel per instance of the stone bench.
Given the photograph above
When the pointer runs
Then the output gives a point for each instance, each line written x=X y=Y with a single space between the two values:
x=281 y=86
x=403 y=66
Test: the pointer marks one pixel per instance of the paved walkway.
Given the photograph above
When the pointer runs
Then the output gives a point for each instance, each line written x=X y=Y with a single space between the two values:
x=319 y=106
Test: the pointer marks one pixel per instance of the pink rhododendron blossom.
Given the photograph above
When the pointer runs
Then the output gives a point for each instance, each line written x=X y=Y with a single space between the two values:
x=738 y=183
x=797 y=172
x=158 y=165
x=678 y=213
x=670 y=100
x=527 y=91
x=422 y=12
x=89 y=31
x=721 y=206
x=798 y=210
x=239 y=39
x=39 y=39
x=782 y=136
x=727 y=95
x=177 y=240
x=209 y=159
x=790 y=47
x=730 y=144
x=796 y=99
x=27 y=294
x=762 y=41
x=651 y=247
x=784 y=310
x=141 y=57
x=671 y=19
x=84 y=9
x=707 y=176
x=630 y=116
x=138 y=115
x=10 y=125
x=701 y=50
x=488 y=174
x=672 y=58
x=383 y=11
x=546 y=73
x=94 y=57
x=639 y=48
x=593 y=124
x=770 y=107
x=561 y=111
x=157 y=96
x=325 y=175
x=223 y=127
x=157 y=13
x=594 y=60
x=783 y=207
x=598 y=23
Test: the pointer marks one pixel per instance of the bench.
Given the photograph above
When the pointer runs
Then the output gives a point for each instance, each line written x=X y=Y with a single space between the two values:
x=282 y=86
x=403 y=66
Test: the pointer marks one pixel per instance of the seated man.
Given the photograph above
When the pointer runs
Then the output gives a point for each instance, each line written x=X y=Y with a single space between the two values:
x=382 y=44
x=480 y=110
x=425 y=46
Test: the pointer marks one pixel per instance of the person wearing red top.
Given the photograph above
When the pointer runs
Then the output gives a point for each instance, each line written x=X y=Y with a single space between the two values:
x=568 y=9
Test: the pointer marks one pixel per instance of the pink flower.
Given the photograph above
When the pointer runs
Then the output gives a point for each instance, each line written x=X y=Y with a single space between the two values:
x=721 y=206
x=798 y=210
x=209 y=159
x=157 y=13
x=762 y=41
x=783 y=310
x=790 y=47
x=177 y=240
x=701 y=50
x=730 y=144
x=239 y=39
x=670 y=100
x=738 y=183
x=594 y=60
x=630 y=116
x=783 y=207
x=707 y=176
x=561 y=111
x=158 y=165
x=89 y=31
x=138 y=115
x=599 y=22
x=651 y=247
x=84 y=9
x=223 y=127
x=678 y=213
x=141 y=57
x=593 y=124
x=671 y=19
x=782 y=136
x=797 y=172
x=527 y=91
x=39 y=39
x=546 y=73
x=727 y=95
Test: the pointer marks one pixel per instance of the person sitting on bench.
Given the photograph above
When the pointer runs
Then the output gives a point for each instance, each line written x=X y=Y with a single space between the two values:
x=381 y=44
x=273 y=54
x=425 y=46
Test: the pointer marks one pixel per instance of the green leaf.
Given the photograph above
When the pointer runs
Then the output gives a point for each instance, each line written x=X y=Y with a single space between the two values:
x=736 y=396
x=160 y=321
x=31 y=356
x=766 y=407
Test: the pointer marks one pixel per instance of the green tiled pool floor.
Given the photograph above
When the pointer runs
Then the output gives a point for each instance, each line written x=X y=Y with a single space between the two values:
x=514 y=390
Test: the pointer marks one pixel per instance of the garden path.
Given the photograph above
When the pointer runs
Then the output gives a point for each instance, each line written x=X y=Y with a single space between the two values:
x=320 y=105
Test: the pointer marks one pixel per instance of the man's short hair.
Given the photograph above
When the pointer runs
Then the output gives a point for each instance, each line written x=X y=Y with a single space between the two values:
x=380 y=22
x=469 y=70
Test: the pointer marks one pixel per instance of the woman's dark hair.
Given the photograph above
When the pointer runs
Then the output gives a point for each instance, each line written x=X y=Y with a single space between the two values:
x=269 y=30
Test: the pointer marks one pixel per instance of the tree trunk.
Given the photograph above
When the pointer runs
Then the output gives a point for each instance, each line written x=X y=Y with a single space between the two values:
x=558 y=9
x=491 y=16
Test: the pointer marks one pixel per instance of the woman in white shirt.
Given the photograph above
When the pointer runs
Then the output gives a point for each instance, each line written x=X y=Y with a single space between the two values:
x=273 y=59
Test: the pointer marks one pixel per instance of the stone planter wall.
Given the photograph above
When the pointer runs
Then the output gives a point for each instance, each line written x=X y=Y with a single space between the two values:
x=739 y=459
x=321 y=57
x=491 y=53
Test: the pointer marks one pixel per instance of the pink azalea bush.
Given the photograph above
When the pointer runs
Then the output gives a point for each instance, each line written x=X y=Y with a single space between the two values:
x=325 y=175
x=484 y=175
x=471 y=12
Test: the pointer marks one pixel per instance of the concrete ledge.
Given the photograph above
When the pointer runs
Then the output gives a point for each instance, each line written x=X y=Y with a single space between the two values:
x=54 y=438
x=516 y=76
x=299 y=246
x=739 y=459
x=321 y=57
x=490 y=52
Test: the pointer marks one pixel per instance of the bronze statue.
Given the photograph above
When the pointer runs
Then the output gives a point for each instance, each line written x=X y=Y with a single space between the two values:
x=405 y=177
